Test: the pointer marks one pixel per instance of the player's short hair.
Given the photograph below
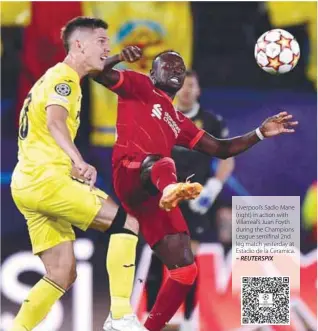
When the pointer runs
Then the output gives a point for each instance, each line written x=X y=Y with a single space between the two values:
x=80 y=22
x=164 y=52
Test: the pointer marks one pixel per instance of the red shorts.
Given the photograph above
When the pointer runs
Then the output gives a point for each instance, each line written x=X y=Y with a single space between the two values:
x=154 y=222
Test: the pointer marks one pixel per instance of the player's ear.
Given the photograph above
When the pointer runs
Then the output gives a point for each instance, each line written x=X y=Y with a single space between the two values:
x=152 y=76
x=79 y=46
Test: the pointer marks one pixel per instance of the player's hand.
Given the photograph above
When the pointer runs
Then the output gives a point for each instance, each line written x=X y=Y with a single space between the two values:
x=75 y=174
x=87 y=171
x=280 y=123
x=131 y=54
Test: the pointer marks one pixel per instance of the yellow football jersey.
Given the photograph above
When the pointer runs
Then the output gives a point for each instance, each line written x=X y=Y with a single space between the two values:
x=39 y=156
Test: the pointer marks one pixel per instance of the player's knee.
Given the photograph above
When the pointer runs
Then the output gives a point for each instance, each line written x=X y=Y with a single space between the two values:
x=165 y=163
x=63 y=274
x=174 y=250
x=145 y=173
x=185 y=256
x=72 y=275
x=105 y=216
x=132 y=224
x=124 y=223
x=185 y=275
x=149 y=161
x=186 y=260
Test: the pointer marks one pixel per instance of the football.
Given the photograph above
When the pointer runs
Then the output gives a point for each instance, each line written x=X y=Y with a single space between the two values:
x=277 y=51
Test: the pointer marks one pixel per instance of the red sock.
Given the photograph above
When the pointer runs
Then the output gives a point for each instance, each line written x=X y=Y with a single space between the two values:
x=171 y=296
x=163 y=173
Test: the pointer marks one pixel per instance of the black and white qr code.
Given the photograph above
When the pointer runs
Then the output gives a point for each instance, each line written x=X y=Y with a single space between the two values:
x=265 y=300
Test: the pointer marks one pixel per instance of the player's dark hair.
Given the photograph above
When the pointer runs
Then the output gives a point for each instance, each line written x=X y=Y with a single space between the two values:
x=80 y=22
x=164 y=52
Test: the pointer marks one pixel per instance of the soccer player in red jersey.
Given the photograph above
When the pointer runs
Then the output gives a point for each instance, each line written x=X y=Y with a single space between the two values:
x=144 y=175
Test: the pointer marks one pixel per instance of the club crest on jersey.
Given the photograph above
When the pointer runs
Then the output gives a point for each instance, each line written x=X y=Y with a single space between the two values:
x=157 y=112
x=63 y=89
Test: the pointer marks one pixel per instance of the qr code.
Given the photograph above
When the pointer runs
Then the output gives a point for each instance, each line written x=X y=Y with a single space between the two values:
x=265 y=300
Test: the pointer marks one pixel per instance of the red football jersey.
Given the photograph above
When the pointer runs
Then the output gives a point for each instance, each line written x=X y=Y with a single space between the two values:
x=147 y=122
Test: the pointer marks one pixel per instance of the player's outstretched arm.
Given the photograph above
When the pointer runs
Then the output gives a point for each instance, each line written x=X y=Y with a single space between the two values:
x=224 y=148
x=110 y=77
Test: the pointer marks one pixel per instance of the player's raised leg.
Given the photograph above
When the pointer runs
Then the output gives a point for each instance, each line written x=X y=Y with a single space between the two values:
x=60 y=266
x=52 y=235
x=175 y=252
x=101 y=213
x=162 y=173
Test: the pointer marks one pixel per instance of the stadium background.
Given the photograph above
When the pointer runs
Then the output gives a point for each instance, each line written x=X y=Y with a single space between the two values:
x=217 y=40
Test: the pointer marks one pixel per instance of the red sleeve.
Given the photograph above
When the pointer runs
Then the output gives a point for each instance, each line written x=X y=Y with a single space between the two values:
x=190 y=134
x=131 y=84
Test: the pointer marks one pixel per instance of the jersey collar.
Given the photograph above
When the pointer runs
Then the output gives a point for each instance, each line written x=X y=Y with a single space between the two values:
x=163 y=94
x=70 y=71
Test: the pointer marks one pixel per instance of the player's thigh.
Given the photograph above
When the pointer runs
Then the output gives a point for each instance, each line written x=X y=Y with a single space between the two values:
x=44 y=231
x=72 y=201
x=105 y=215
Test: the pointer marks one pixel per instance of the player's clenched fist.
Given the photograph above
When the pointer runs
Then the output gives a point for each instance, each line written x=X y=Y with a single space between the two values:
x=131 y=54
x=87 y=171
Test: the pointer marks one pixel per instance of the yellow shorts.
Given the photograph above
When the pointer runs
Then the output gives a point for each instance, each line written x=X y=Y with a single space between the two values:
x=52 y=207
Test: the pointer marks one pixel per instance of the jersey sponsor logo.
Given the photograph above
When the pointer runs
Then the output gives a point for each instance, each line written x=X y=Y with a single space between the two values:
x=63 y=89
x=173 y=125
x=157 y=111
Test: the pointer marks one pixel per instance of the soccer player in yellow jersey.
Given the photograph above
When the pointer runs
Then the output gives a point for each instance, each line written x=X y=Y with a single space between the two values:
x=51 y=201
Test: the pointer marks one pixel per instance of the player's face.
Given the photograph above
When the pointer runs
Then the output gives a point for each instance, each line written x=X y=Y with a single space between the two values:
x=189 y=92
x=168 y=72
x=96 y=49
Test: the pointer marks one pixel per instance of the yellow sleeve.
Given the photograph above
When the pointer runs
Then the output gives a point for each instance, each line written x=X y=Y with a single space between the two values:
x=61 y=91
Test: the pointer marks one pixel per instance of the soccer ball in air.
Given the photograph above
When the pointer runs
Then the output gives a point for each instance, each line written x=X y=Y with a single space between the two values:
x=277 y=51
